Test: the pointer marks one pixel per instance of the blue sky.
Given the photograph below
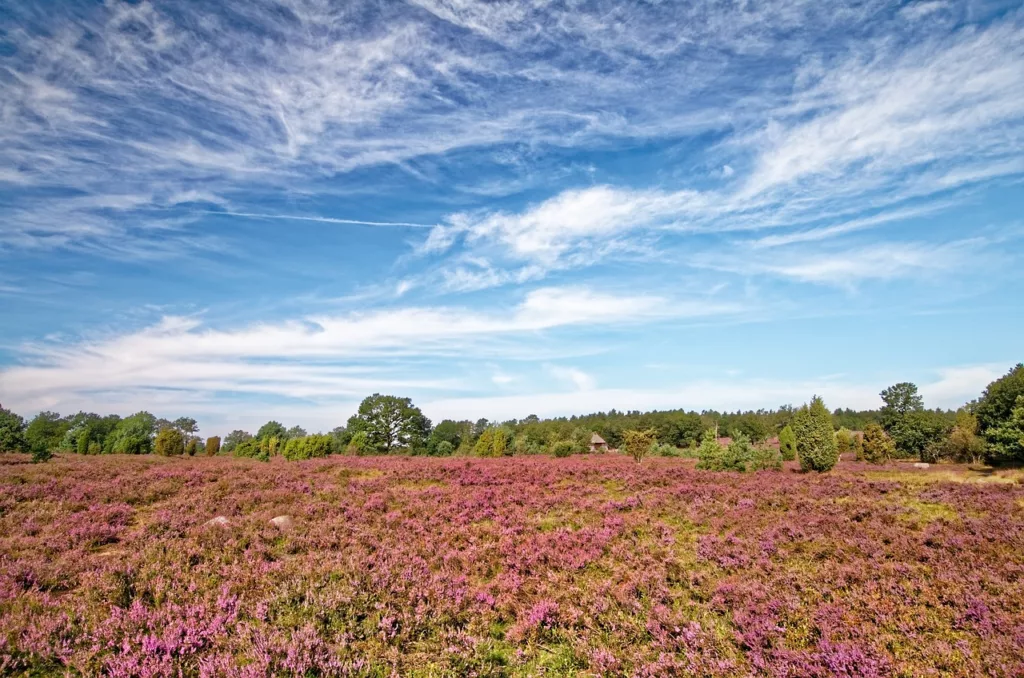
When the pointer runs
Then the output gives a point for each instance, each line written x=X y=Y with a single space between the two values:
x=246 y=210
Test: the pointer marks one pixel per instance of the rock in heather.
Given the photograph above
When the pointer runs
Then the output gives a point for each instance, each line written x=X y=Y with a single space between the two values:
x=921 y=464
x=219 y=521
x=283 y=522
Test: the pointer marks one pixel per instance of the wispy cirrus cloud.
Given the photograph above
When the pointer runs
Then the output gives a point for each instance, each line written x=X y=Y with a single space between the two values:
x=879 y=126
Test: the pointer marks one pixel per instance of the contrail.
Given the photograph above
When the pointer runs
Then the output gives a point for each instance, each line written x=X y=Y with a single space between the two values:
x=328 y=220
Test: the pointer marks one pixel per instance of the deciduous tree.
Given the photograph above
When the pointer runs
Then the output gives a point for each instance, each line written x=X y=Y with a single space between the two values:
x=391 y=423
x=638 y=443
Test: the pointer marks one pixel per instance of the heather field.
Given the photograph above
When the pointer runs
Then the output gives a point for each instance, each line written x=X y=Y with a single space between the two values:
x=591 y=565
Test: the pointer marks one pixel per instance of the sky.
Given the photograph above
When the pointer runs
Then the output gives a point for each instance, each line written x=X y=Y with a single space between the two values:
x=247 y=209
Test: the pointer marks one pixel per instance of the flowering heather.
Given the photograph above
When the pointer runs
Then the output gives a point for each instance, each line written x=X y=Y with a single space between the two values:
x=513 y=566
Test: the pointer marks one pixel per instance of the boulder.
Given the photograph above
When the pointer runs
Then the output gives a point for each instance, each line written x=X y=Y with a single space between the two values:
x=219 y=521
x=921 y=464
x=282 y=522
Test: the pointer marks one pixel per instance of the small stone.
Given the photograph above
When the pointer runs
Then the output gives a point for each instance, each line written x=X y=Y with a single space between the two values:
x=282 y=522
x=921 y=464
x=219 y=521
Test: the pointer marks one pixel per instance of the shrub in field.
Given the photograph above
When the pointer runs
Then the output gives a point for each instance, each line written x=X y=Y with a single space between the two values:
x=562 y=448
x=844 y=440
x=212 y=446
x=964 y=444
x=738 y=454
x=710 y=455
x=765 y=458
x=858 y=446
x=12 y=432
x=253 y=449
x=638 y=444
x=877 y=447
x=444 y=448
x=307 y=447
x=665 y=450
x=192 y=446
x=787 y=443
x=358 y=444
x=170 y=442
x=815 y=437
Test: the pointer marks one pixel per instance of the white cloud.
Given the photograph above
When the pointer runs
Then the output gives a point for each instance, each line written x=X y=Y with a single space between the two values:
x=953 y=388
x=574 y=376
x=845 y=268
x=317 y=357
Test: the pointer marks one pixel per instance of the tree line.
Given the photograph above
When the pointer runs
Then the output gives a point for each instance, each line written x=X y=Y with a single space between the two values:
x=989 y=428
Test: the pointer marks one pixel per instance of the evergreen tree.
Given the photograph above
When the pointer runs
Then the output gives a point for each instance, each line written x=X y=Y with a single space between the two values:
x=787 y=443
x=815 y=437
x=877 y=447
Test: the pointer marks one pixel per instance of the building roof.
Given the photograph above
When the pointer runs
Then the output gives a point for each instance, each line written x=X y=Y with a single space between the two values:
x=597 y=440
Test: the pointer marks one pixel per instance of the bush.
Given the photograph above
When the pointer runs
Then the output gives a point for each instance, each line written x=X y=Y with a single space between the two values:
x=444 y=448
x=253 y=449
x=665 y=450
x=358 y=444
x=638 y=444
x=41 y=453
x=307 y=447
x=844 y=440
x=738 y=454
x=787 y=443
x=191 y=447
x=562 y=448
x=877 y=447
x=710 y=454
x=765 y=459
x=815 y=437
x=213 y=446
x=170 y=442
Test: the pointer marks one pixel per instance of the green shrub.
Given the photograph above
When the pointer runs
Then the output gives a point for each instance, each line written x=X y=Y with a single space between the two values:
x=191 y=447
x=213 y=446
x=787 y=443
x=815 y=437
x=253 y=449
x=665 y=450
x=710 y=455
x=307 y=447
x=41 y=453
x=358 y=444
x=170 y=442
x=765 y=459
x=444 y=449
x=738 y=454
x=638 y=444
x=877 y=447
x=562 y=448
x=844 y=440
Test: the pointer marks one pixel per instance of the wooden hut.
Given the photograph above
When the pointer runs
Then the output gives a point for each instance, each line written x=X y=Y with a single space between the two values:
x=597 y=444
